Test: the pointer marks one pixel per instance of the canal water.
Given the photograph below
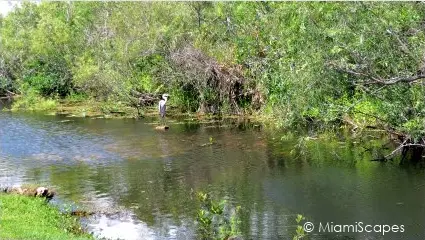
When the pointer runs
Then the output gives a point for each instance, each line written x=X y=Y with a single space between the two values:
x=145 y=180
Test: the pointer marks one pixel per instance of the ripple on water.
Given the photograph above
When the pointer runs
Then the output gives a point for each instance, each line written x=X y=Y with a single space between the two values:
x=115 y=164
x=119 y=227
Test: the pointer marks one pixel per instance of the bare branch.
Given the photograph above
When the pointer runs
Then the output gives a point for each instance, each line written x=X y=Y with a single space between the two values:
x=352 y=72
x=395 y=80
x=396 y=150
x=373 y=80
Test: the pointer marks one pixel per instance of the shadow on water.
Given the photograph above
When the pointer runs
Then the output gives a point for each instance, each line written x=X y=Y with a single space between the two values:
x=5 y=103
x=128 y=166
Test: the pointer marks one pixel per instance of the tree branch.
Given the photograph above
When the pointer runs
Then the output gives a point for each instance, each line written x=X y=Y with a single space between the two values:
x=395 y=80
x=396 y=150
x=378 y=80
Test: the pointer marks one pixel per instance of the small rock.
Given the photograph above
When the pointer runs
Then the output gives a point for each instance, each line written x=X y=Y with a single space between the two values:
x=41 y=192
x=44 y=192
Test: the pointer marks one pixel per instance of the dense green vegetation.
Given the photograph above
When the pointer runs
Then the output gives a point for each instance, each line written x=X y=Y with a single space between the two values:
x=297 y=63
x=216 y=220
x=23 y=217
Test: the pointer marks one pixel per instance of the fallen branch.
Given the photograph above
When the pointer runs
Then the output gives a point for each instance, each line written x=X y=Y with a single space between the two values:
x=404 y=146
x=400 y=147
x=11 y=93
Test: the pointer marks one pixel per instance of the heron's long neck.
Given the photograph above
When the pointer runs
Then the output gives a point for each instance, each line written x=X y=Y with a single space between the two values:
x=165 y=100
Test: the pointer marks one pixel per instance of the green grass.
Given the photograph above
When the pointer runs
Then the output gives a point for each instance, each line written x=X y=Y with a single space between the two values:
x=24 y=217
x=32 y=101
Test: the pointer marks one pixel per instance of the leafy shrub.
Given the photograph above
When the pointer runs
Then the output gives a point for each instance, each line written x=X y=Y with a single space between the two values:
x=217 y=219
x=32 y=101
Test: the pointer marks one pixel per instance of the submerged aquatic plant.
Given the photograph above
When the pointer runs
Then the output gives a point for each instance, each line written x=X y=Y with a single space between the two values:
x=300 y=149
x=300 y=233
x=217 y=219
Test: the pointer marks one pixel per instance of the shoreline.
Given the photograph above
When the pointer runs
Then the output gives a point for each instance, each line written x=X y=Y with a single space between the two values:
x=96 y=110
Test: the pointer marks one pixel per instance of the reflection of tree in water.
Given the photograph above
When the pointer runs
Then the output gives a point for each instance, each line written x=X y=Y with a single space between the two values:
x=158 y=189
x=165 y=150
x=258 y=174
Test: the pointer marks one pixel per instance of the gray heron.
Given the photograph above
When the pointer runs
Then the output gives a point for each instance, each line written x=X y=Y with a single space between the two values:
x=162 y=107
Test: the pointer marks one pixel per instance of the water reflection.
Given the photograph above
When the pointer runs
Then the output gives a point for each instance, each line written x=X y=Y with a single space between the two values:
x=127 y=166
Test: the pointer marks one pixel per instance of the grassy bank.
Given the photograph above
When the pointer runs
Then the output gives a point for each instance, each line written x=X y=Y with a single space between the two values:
x=24 y=217
x=90 y=108
x=85 y=107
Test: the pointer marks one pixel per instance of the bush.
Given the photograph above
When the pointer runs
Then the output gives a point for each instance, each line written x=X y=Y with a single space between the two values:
x=48 y=85
x=217 y=220
x=32 y=101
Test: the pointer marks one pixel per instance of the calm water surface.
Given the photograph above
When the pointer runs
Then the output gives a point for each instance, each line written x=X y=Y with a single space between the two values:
x=149 y=177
